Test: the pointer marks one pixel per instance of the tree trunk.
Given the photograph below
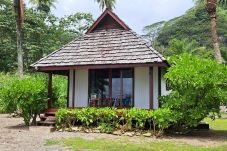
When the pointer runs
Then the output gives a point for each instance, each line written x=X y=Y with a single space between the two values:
x=19 y=39
x=211 y=9
x=34 y=123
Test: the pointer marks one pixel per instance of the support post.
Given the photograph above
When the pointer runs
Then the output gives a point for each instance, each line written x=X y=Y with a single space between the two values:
x=50 y=90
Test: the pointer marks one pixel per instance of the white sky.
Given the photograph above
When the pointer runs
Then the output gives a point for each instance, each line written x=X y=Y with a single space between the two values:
x=135 y=13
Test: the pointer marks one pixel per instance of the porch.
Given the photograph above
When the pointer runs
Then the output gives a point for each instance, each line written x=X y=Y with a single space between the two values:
x=127 y=87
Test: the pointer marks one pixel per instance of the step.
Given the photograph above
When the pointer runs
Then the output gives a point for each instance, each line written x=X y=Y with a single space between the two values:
x=45 y=123
x=43 y=117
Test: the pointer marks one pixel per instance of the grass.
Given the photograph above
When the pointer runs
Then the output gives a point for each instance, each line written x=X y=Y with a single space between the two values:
x=51 y=142
x=126 y=145
x=217 y=124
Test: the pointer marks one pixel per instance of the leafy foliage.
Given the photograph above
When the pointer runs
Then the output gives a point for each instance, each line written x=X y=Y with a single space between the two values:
x=199 y=87
x=177 y=47
x=15 y=94
x=42 y=34
x=28 y=95
x=108 y=119
x=193 y=26
x=106 y=4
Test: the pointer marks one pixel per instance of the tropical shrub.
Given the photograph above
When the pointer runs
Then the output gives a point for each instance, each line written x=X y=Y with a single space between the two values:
x=5 y=79
x=59 y=91
x=199 y=87
x=28 y=95
x=108 y=119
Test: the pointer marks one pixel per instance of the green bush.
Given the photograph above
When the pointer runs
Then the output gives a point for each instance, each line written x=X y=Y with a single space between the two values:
x=5 y=79
x=108 y=119
x=199 y=87
x=28 y=95
x=59 y=90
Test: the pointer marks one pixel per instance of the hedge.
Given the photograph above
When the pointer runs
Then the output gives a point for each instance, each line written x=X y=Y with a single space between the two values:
x=109 y=119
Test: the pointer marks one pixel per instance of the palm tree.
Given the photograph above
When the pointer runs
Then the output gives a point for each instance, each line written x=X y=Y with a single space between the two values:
x=19 y=10
x=211 y=7
x=43 y=5
x=110 y=4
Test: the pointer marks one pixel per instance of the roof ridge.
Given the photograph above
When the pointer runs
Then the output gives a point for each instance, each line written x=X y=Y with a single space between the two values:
x=155 y=51
x=32 y=65
x=102 y=16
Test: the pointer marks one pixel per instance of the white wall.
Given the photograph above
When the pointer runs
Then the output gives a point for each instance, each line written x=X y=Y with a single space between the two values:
x=70 y=87
x=81 y=88
x=164 y=92
x=142 y=88
x=155 y=87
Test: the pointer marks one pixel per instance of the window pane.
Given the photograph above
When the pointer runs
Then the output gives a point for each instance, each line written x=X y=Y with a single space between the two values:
x=99 y=83
x=127 y=88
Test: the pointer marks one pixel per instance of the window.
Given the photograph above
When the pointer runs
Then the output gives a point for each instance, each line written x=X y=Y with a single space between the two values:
x=111 y=87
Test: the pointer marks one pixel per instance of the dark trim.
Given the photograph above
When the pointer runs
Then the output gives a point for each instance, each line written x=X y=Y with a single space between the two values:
x=151 y=78
x=74 y=89
x=159 y=84
x=68 y=87
x=107 y=11
x=50 y=90
x=98 y=66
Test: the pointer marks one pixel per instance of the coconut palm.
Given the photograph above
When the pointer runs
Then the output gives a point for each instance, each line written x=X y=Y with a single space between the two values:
x=106 y=4
x=19 y=10
x=211 y=7
x=43 y=5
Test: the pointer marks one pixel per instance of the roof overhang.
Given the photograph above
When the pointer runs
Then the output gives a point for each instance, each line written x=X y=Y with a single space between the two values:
x=66 y=68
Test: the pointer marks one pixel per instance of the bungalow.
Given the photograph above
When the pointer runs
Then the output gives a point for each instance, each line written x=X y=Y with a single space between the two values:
x=109 y=66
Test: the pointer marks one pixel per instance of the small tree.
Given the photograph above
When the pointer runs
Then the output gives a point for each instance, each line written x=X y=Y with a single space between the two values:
x=199 y=87
x=29 y=96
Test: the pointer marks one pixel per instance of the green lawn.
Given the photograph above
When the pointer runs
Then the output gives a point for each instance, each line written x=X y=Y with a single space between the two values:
x=217 y=124
x=124 y=144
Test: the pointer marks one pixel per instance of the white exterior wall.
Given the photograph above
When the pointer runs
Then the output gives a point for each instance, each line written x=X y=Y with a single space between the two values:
x=70 y=88
x=164 y=92
x=141 y=91
x=155 y=87
x=142 y=88
x=81 y=88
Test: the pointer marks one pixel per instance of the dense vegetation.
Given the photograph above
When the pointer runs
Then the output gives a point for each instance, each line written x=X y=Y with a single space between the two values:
x=28 y=97
x=198 y=83
x=42 y=34
x=199 y=86
x=193 y=26
x=109 y=119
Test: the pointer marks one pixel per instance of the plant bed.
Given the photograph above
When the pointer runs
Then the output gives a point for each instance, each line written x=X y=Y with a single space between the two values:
x=109 y=120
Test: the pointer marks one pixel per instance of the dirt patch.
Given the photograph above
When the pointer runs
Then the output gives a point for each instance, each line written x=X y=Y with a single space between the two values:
x=15 y=136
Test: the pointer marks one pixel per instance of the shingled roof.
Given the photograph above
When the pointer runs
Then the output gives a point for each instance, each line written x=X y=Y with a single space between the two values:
x=109 y=41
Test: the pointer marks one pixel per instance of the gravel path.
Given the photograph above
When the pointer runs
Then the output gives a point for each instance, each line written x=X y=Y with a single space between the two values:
x=15 y=137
